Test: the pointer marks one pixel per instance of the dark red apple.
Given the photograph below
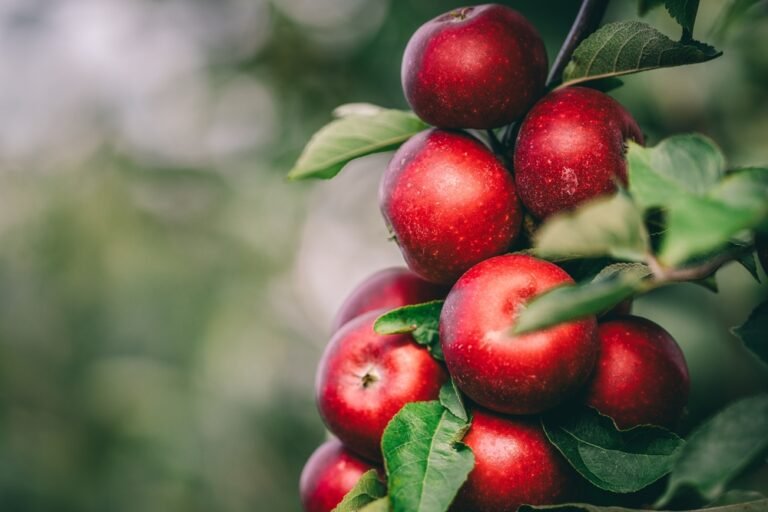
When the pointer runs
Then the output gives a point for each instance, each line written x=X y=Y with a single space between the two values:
x=571 y=148
x=523 y=374
x=365 y=378
x=329 y=474
x=474 y=67
x=387 y=289
x=641 y=376
x=450 y=203
x=514 y=464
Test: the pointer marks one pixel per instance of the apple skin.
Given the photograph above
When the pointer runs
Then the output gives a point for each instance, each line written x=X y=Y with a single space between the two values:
x=524 y=374
x=641 y=376
x=329 y=474
x=515 y=464
x=450 y=204
x=364 y=379
x=474 y=67
x=571 y=149
x=387 y=289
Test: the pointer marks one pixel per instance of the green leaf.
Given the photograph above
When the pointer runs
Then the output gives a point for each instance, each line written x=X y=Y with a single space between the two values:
x=380 y=505
x=683 y=11
x=681 y=164
x=626 y=47
x=576 y=301
x=720 y=449
x=360 y=132
x=610 y=226
x=619 y=461
x=748 y=260
x=421 y=320
x=753 y=506
x=451 y=399
x=754 y=332
x=367 y=490
x=700 y=225
x=425 y=460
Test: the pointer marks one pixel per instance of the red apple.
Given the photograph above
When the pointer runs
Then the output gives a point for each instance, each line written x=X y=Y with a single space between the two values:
x=571 y=148
x=474 y=67
x=387 y=289
x=365 y=378
x=523 y=374
x=641 y=376
x=449 y=202
x=514 y=464
x=329 y=474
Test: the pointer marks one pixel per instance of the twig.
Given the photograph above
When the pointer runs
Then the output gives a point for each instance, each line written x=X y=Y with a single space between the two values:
x=587 y=20
x=705 y=269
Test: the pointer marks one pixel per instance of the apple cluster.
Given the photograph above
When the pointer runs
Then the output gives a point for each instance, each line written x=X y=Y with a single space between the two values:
x=456 y=211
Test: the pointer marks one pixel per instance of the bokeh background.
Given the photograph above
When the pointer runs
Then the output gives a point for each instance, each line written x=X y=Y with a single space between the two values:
x=165 y=294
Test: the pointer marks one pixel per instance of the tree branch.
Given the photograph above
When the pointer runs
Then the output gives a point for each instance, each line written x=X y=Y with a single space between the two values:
x=587 y=20
x=703 y=270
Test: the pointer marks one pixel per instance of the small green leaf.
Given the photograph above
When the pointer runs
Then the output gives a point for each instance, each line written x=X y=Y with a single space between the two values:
x=425 y=460
x=720 y=449
x=748 y=260
x=614 y=460
x=753 y=506
x=681 y=164
x=754 y=332
x=451 y=398
x=361 y=131
x=421 y=320
x=368 y=489
x=576 y=301
x=702 y=225
x=380 y=505
x=610 y=226
x=626 y=47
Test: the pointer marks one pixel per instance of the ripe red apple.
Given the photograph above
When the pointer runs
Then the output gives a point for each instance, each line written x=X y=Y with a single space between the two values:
x=641 y=376
x=523 y=374
x=329 y=474
x=449 y=202
x=571 y=148
x=514 y=464
x=387 y=289
x=474 y=67
x=365 y=378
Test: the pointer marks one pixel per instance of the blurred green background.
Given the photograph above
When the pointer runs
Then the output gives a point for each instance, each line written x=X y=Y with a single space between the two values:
x=165 y=294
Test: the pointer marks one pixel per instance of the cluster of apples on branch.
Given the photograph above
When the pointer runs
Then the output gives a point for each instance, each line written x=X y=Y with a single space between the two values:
x=502 y=154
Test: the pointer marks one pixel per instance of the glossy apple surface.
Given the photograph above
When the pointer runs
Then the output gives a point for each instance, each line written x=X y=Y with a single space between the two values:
x=513 y=374
x=474 y=67
x=365 y=378
x=450 y=204
x=387 y=289
x=571 y=148
x=641 y=375
x=329 y=474
x=515 y=464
